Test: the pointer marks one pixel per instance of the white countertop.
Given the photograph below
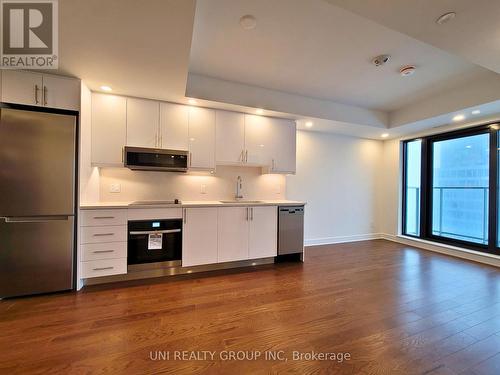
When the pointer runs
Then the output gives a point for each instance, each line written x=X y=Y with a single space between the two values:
x=188 y=204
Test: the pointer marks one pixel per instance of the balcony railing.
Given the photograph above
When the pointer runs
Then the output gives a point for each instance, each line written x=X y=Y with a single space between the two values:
x=438 y=217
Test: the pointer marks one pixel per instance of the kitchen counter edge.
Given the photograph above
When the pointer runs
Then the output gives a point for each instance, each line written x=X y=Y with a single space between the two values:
x=187 y=204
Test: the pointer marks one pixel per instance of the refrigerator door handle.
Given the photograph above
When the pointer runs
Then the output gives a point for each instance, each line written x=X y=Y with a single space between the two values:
x=34 y=219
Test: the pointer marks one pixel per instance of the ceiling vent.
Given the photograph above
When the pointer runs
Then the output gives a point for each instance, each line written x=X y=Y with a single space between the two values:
x=381 y=60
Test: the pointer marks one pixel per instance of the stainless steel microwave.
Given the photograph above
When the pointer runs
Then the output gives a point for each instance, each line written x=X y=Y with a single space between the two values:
x=153 y=159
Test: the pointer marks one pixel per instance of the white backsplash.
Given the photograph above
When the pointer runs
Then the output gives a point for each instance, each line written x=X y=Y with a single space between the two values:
x=142 y=185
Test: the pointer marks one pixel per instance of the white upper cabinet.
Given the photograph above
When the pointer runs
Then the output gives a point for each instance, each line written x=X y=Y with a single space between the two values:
x=22 y=87
x=199 y=236
x=201 y=138
x=230 y=137
x=143 y=123
x=263 y=232
x=258 y=140
x=174 y=120
x=283 y=148
x=109 y=128
x=233 y=234
x=42 y=90
x=61 y=92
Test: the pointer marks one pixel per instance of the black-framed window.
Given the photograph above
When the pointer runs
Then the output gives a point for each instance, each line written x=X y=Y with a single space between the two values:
x=450 y=188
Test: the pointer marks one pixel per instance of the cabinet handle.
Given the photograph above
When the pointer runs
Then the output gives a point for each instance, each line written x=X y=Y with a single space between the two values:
x=103 y=251
x=247 y=214
x=36 y=94
x=251 y=217
x=103 y=217
x=103 y=268
x=184 y=215
x=103 y=234
x=190 y=158
x=241 y=156
x=246 y=156
x=44 y=95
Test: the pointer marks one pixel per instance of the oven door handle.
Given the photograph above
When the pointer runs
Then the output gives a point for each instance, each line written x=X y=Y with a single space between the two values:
x=166 y=231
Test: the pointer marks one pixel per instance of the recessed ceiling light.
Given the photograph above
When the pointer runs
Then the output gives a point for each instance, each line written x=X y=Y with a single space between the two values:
x=385 y=135
x=106 y=88
x=309 y=124
x=192 y=101
x=248 y=22
x=459 y=118
x=476 y=112
x=259 y=111
x=445 y=18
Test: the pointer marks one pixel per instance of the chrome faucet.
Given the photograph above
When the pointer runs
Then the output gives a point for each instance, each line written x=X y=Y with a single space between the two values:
x=239 y=188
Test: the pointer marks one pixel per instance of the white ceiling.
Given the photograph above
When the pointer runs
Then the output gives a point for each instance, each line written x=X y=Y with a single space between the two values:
x=473 y=35
x=315 y=49
x=137 y=49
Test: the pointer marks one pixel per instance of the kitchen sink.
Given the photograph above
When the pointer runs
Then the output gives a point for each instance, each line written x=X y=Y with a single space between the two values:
x=241 y=201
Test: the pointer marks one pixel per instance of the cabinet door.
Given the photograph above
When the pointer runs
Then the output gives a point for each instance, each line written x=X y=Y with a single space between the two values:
x=233 y=234
x=230 y=137
x=263 y=232
x=22 y=87
x=143 y=121
x=109 y=114
x=202 y=138
x=61 y=92
x=199 y=241
x=258 y=140
x=174 y=119
x=283 y=146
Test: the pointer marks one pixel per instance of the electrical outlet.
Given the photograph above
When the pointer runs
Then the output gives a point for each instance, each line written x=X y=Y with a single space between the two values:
x=203 y=189
x=115 y=188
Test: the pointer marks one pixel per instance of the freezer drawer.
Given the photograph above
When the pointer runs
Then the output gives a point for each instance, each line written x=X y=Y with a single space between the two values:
x=36 y=255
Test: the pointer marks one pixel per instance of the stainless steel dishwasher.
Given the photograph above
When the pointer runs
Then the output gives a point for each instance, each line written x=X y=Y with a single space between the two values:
x=291 y=230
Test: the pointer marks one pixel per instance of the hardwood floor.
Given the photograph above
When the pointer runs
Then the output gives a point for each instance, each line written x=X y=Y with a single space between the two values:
x=393 y=308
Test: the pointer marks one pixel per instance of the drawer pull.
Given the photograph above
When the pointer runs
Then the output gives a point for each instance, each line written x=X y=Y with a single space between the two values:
x=102 y=251
x=103 y=268
x=103 y=234
x=103 y=217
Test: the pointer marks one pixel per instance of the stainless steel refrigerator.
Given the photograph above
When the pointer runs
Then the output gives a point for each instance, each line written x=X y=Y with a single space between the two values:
x=37 y=201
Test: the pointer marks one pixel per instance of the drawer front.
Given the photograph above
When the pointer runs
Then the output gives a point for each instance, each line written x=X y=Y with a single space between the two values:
x=93 y=218
x=104 y=267
x=108 y=250
x=154 y=213
x=112 y=233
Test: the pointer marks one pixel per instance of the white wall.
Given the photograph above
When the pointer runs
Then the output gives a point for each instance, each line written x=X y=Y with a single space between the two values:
x=143 y=185
x=340 y=178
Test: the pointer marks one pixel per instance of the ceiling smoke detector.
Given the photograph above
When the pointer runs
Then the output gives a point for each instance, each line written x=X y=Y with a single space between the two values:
x=381 y=60
x=445 y=18
x=248 y=22
x=407 y=70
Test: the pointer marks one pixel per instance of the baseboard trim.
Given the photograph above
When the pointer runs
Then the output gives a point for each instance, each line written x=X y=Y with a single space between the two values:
x=342 y=239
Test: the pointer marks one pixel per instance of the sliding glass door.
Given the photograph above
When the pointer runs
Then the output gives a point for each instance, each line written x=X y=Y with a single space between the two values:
x=460 y=188
x=450 y=188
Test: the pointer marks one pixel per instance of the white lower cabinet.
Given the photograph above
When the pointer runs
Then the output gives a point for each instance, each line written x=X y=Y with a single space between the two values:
x=199 y=236
x=233 y=234
x=263 y=232
x=228 y=234
x=103 y=242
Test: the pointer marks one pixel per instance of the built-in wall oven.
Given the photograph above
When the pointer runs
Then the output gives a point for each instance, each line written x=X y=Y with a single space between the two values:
x=155 y=241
